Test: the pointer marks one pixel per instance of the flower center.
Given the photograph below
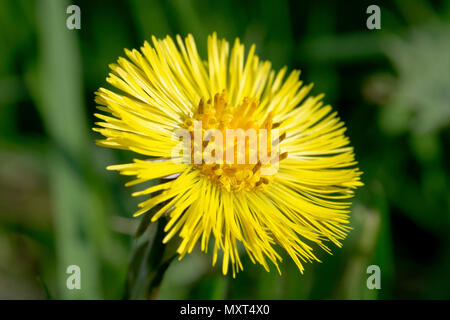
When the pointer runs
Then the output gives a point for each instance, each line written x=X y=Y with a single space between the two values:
x=231 y=146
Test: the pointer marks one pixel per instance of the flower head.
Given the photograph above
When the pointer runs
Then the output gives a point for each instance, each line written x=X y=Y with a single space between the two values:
x=291 y=170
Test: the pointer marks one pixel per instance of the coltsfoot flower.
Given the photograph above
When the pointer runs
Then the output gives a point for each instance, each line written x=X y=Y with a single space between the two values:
x=224 y=206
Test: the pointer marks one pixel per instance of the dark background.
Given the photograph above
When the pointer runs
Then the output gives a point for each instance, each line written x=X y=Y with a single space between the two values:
x=59 y=206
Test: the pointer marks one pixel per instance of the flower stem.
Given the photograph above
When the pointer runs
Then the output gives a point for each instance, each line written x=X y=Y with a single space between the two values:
x=148 y=265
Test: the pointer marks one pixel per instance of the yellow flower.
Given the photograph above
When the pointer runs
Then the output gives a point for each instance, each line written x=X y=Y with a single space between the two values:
x=165 y=87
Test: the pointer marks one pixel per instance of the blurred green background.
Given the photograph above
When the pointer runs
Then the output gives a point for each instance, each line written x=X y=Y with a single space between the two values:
x=59 y=206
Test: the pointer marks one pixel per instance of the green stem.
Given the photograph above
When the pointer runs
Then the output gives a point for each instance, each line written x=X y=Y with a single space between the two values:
x=148 y=265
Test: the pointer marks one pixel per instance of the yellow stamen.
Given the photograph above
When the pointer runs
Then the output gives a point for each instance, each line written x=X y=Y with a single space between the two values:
x=217 y=114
